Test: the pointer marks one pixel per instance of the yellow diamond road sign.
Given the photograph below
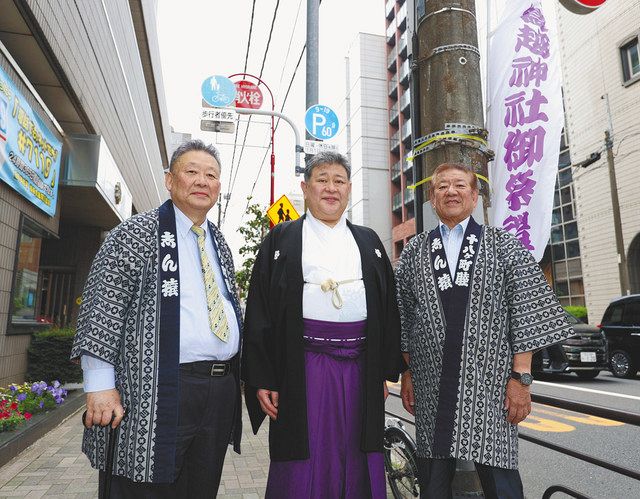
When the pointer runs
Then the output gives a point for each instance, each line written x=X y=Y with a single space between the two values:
x=282 y=211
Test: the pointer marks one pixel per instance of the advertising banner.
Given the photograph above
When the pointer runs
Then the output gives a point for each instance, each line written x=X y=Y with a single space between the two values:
x=525 y=123
x=29 y=151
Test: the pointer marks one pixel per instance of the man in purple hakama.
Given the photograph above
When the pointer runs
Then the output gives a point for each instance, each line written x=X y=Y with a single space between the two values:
x=322 y=336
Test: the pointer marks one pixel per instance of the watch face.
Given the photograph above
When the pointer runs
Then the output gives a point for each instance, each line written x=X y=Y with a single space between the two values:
x=526 y=379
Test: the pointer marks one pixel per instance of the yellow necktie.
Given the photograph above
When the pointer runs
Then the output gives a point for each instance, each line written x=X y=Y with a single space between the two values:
x=217 y=317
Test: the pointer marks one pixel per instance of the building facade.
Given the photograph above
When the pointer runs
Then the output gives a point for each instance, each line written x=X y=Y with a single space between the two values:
x=366 y=134
x=83 y=143
x=601 y=78
x=403 y=224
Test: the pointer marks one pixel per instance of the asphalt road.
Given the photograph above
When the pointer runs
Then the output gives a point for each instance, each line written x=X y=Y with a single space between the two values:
x=608 y=440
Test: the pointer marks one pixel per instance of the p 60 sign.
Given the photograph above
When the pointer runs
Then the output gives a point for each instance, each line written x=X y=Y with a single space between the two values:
x=321 y=122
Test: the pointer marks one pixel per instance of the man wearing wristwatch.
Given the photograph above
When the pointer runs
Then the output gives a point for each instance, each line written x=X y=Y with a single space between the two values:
x=474 y=305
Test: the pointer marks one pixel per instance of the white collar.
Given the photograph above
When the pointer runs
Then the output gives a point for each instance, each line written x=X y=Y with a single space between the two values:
x=184 y=224
x=462 y=224
x=322 y=228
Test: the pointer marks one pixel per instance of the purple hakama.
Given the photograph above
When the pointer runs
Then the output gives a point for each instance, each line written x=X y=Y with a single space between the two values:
x=336 y=468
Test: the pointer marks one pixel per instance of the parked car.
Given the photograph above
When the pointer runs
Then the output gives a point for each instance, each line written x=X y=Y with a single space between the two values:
x=621 y=326
x=584 y=354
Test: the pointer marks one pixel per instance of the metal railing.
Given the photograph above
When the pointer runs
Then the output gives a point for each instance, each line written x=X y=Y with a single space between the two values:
x=581 y=407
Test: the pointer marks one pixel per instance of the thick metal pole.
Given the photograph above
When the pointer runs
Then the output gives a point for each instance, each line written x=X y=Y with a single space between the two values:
x=617 y=224
x=451 y=117
x=451 y=112
x=313 y=37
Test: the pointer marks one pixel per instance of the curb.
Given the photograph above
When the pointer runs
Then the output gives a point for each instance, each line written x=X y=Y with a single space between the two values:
x=28 y=435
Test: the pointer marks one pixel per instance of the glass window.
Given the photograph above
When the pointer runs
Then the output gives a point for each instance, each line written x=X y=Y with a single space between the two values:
x=573 y=249
x=632 y=313
x=564 y=160
x=565 y=177
x=562 y=288
x=556 y=234
x=571 y=230
x=558 y=251
x=556 y=219
x=556 y=198
x=567 y=213
x=576 y=286
x=613 y=315
x=565 y=194
x=25 y=287
x=575 y=267
x=630 y=60
x=560 y=270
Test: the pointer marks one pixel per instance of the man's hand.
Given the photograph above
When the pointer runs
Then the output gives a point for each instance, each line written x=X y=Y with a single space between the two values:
x=268 y=402
x=102 y=406
x=406 y=392
x=517 y=401
x=385 y=389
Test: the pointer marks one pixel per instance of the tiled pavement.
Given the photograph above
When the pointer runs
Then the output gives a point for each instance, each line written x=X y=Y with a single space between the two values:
x=54 y=467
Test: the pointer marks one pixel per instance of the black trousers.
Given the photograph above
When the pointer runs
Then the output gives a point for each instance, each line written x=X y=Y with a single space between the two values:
x=205 y=421
x=435 y=477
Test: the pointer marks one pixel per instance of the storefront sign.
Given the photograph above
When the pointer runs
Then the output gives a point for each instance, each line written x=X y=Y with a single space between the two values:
x=29 y=151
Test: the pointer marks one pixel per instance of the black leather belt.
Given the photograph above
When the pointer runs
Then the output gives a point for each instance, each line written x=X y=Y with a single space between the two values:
x=208 y=367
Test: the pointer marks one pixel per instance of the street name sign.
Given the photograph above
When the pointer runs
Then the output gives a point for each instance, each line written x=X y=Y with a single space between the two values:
x=218 y=91
x=282 y=211
x=321 y=122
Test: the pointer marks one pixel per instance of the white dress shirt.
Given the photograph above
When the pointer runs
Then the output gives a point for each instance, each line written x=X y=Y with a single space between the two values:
x=452 y=242
x=331 y=253
x=197 y=342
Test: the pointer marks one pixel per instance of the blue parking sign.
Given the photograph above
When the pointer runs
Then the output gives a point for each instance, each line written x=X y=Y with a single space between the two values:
x=218 y=91
x=321 y=122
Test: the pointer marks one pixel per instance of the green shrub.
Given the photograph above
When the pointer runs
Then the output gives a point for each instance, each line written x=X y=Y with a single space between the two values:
x=49 y=356
x=577 y=311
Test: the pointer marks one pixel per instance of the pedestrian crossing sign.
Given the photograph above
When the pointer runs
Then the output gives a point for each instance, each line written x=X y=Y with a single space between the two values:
x=282 y=211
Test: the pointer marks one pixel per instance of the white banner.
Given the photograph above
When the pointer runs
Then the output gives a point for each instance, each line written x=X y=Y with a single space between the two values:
x=525 y=122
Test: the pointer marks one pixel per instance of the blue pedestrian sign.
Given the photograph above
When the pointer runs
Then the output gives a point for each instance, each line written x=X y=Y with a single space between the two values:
x=321 y=122
x=218 y=91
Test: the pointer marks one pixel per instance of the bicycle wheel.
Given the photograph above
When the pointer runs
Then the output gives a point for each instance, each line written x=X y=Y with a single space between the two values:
x=400 y=463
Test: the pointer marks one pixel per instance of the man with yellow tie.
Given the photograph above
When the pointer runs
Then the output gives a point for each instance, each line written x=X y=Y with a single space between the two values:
x=159 y=333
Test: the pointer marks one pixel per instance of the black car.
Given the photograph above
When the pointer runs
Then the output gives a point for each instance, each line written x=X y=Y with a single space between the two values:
x=585 y=353
x=621 y=326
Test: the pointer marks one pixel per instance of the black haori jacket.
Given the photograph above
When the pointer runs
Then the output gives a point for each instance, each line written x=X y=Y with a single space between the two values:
x=273 y=355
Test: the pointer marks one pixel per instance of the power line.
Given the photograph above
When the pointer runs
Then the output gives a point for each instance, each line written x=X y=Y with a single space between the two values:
x=276 y=127
x=246 y=59
x=244 y=140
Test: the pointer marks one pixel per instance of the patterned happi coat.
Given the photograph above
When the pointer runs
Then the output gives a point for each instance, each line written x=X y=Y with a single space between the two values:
x=130 y=317
x=503 y=306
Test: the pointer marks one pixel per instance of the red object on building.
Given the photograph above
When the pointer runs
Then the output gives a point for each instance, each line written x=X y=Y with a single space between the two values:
x=582 y=6
x=249 y=95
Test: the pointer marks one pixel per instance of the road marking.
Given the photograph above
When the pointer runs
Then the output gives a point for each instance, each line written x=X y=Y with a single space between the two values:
x=589 y=420
x=589 y=390
x=548 y=425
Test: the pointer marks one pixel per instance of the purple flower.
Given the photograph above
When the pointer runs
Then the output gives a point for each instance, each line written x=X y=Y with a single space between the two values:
x=56 y=384
x=13 y=388
x=41 y=404
x=21 y=397
x=34 y=388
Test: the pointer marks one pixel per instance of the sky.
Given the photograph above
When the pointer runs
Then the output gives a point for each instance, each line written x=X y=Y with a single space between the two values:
x=200 y=38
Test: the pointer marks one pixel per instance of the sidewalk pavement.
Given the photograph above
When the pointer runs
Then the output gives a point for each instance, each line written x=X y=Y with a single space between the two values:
x=54 y=467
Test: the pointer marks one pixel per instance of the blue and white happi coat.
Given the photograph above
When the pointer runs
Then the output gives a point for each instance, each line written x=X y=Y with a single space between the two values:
x=502 y=305
x=130 y=317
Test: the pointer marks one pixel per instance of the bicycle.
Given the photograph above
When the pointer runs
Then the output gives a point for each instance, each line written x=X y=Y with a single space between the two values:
x=400 y=460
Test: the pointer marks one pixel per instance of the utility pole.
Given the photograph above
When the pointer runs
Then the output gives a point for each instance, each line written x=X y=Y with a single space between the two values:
x=313 y=37
x=450 y=107
x=617 y=224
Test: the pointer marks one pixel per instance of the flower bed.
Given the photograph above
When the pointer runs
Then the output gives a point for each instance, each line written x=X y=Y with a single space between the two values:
x=19 y=402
